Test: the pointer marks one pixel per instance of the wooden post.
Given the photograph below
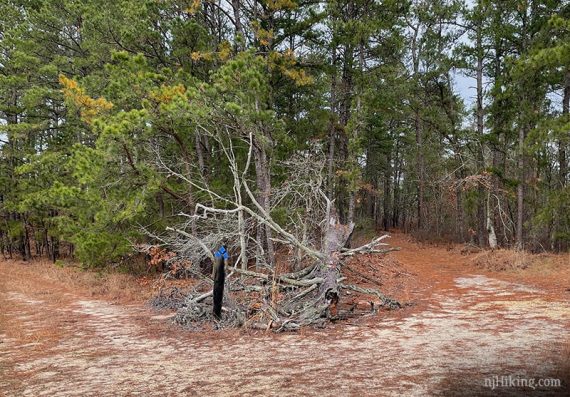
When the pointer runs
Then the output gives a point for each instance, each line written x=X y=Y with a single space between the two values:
x=219 y=279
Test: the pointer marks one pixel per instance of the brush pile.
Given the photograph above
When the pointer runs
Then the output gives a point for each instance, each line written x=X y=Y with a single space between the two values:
x=281 y=301
x=296 y=216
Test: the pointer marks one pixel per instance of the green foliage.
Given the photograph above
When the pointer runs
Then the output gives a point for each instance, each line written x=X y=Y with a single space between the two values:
x=112 y=113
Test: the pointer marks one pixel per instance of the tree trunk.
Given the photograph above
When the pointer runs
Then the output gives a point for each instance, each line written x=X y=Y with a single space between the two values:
x=351 y=207
x=26 y=247
x=480 y=133
x=264 y=234
x=387 y=192
x=555 y=242
x=460 y=221
x=54 y=248
x=236 y=8
x=499 y=165
x=332 y=129
x=419 y=133
x=520 y=189
x=397 y=172
x=336 y=237
x=524 y=100
x=490 y=226
x=200 y=155
x=563 y=142
x=420 y=169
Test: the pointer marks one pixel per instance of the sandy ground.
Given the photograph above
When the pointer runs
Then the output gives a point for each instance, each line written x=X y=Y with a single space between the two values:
x=464 y=327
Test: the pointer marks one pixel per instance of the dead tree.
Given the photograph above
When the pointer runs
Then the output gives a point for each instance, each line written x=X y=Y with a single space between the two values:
x=284 y=301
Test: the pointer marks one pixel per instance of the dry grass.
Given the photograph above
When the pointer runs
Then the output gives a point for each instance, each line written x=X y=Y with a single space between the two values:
x=124 y=288
x=503 y=259
x=114 y=286
x=514 y=260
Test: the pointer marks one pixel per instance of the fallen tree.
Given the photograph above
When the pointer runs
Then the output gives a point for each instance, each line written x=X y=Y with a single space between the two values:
x=311 y=237
x=278 y=301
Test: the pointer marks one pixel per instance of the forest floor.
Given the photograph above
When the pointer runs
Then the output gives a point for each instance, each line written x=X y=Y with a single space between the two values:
x=467 y=322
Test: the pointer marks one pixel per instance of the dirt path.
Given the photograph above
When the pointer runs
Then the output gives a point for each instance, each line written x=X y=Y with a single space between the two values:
x=464 y=327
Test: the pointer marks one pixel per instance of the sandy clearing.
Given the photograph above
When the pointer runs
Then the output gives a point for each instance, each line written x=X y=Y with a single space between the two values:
x=468 y=328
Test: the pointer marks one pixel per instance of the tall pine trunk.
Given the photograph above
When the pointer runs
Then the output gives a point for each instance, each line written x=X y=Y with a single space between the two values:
x=520 y=188
x=264 y=235
x=563 y=142
x=480 y=133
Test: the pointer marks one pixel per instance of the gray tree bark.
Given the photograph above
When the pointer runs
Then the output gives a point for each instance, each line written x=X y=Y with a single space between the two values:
x=480 y=133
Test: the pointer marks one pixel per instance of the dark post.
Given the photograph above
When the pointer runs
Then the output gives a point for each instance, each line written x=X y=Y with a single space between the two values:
x=219 y=279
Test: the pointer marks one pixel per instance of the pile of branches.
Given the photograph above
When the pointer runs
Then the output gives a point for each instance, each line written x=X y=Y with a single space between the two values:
x=308 y=297
x=269 y=300
x=171 y=298
x=308 y=228
x=194 y=306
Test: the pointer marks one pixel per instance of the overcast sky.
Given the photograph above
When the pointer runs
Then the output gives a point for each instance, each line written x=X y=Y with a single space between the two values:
x=465 y=86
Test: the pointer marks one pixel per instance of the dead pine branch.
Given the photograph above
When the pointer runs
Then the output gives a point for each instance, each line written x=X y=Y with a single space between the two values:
x=266 y=298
